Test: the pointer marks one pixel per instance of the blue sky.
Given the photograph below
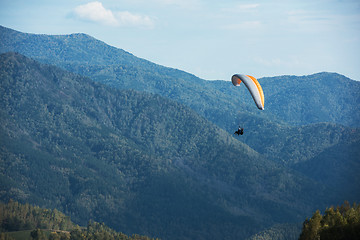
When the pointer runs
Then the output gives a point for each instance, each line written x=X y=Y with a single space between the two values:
x=208 y=38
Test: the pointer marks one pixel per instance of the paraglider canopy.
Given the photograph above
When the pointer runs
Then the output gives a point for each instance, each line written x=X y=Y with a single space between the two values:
x=253 y=86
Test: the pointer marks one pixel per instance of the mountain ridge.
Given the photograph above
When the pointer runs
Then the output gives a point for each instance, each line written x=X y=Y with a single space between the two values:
x=295 y=136
x=118 y=68
x=217 y=101
x=109 y=157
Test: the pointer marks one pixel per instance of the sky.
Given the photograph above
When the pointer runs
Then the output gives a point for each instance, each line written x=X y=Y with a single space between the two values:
x=210 y=39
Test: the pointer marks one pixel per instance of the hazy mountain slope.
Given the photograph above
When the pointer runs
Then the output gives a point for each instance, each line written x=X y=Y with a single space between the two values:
x=316 y=98
x=279 y=232
x=73 y=49
x=138 y=162
x=291 y=145
x=338 y=167
x=87 y=56
x=321 y=97
x=79 y=51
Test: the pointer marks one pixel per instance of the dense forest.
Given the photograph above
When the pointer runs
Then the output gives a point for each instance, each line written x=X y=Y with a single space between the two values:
x=25 y=221
x=337 y=223
x=150 y=150
x=297 y=107
x=17 y=217
x=279 y=232
x=101 y=153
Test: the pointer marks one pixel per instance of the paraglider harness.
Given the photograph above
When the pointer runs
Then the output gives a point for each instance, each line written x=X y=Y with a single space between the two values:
x=240 y=131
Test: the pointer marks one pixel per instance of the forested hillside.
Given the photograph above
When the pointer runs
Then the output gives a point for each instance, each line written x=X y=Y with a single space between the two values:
x=323 y=97
x=136 y=161
x=289 y=100
x=338 y=168
x=279 y=232
x=15 y=216
x=340 y=223
x=150 y=150
x=25 y=221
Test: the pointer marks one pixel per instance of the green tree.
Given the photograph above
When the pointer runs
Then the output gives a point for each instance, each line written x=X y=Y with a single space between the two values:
x=311 y=227
x=5 y=236
x=54 y=236
x=77 y=234
x=341 y=223
x=38 y=234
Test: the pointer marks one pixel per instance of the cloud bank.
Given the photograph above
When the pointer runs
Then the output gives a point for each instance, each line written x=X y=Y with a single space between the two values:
x=96 y=12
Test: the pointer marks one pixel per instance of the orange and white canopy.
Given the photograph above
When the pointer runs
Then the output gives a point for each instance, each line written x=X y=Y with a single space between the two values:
x=253 y=86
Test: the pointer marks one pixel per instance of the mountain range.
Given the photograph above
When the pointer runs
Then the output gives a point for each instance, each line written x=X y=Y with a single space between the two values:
x=99 y=133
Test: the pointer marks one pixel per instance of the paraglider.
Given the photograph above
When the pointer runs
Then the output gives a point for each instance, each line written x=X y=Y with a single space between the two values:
x=253 y=86
x=255 y=90
x=240 y=131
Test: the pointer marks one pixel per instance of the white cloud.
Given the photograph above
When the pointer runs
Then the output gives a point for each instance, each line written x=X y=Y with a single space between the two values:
x=96 y=12
x=311 y=20
x=186 y=4
x=242 y=17
x=285 y=62
x=242 y=8
x=246 y=7
x=243 y=25
x=128 y=19
x=269 y=62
